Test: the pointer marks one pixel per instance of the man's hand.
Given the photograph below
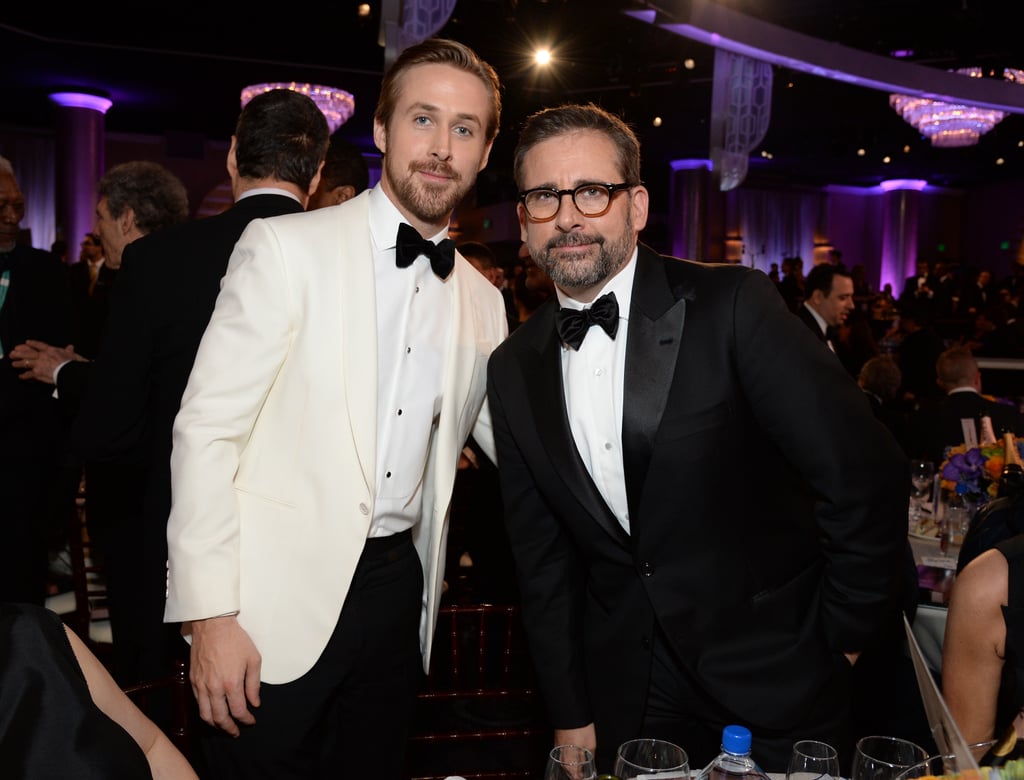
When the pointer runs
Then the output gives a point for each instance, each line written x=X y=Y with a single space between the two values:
x=585 y=736
x=39 y=359
x=225 y=672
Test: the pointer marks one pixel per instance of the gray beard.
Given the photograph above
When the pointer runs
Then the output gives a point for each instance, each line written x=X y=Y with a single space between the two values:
x=587 y=273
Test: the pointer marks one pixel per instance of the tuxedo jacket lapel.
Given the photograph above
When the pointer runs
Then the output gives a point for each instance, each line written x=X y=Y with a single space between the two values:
x=656 y=319
x=542 y=365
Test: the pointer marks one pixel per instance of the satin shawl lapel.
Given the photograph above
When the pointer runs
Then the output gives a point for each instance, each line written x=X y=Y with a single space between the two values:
x=656 y=316
x=543 y=368
x=357 y=312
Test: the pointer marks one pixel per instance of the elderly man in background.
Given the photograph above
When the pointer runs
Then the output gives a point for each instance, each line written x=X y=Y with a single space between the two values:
x=35 y=302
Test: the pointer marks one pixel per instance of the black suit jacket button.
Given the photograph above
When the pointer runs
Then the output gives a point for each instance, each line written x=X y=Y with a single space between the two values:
x=647 y=568
x=645 y=643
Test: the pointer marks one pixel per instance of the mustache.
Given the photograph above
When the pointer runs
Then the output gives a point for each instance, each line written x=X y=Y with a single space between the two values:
x=574 y=239
x=437 y=168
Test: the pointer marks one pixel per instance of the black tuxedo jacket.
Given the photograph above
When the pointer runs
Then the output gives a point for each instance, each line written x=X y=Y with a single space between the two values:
x=808 y=319
x=767 y=506
x=90 y=311
x=37 y=306
x=936 y=425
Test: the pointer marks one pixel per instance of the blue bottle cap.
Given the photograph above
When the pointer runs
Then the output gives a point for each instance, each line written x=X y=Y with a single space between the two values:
x=736 y=739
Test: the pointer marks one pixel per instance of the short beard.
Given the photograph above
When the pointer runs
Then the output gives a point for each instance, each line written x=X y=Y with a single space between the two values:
x=586 y=272
x=427 y=202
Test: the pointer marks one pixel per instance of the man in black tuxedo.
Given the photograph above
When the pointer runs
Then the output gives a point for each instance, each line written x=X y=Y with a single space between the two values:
x=35 y=302
x=135 y=199
x=828 y=302
x=956 y=416
x=92 y=281
x=919 y=291
x=701 y=537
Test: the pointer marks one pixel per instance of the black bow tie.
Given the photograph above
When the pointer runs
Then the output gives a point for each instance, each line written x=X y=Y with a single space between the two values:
x=411 y=245
x=573 y=324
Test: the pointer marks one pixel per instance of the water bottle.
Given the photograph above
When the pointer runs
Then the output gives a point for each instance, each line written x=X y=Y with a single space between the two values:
x=735 y=761
x=958 y=518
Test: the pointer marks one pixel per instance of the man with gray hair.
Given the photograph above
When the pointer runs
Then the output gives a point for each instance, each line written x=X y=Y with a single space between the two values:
x=956 y=417
x=135 y=199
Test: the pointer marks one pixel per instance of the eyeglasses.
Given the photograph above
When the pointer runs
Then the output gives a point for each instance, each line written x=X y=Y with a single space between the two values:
x=592 y=200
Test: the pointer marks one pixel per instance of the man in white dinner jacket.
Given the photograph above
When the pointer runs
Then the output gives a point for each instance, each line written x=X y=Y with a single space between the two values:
x=317 y=444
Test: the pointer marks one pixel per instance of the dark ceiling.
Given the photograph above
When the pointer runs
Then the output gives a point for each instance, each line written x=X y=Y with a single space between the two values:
x=182 y=71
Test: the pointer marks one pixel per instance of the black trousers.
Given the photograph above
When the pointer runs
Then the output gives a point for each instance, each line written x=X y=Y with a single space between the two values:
x=678 y=710
x=350 y=714
x=24 y=486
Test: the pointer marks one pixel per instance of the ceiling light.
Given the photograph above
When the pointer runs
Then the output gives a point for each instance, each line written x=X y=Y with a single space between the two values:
x=337 y=105
x=952 y=124
x=542 y=57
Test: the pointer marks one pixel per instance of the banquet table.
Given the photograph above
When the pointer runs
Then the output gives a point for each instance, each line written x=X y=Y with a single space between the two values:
x=936 y=569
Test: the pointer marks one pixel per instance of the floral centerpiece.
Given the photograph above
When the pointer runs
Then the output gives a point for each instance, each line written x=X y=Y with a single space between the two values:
x=978 y=468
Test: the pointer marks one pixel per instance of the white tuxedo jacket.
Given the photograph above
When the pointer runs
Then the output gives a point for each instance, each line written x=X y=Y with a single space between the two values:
x=274 y=460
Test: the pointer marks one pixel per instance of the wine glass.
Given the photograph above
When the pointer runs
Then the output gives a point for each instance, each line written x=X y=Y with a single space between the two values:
x=813 y=760
x=570 y=762
x=922 y=475
x=933 y=766
x=884 y=758
x=643 y=757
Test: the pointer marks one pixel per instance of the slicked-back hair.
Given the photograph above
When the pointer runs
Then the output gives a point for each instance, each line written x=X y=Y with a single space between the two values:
x=281 y=134
x=553 y=122
x=822 y=277
x=439 y=51
x=156 y=195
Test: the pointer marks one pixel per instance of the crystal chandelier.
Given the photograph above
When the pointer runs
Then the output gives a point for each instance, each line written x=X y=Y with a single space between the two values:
x=952 y=124
x=337 y=105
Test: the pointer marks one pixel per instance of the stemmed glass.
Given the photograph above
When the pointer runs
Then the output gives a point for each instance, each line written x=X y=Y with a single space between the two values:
x=884 y=758
x=933 y=766
x=922 y=475
x=643 y=757
x=570 y=762
x=813 y=760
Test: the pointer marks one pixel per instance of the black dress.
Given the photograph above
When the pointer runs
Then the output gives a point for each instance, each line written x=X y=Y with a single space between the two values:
x=1011 y=685
x=49 y=725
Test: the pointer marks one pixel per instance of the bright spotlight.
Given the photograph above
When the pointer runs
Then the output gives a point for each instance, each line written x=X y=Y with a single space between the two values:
x=542 y=57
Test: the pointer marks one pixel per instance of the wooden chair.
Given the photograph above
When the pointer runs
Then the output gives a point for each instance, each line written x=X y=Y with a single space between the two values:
x=479 y=714
x=179 y=729
x=90 y=618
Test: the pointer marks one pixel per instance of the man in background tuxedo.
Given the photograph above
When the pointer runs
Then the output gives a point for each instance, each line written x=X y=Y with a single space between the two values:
x=343 y=176
x=828 y=301
x=700 y=538
x=91 y=284
x=135 y=199
x=956 y=416
x=35 y=302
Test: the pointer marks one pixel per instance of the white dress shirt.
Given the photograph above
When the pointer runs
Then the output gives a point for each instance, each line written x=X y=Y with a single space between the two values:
x=413 y=324
x=822 y=325
x=593 y=379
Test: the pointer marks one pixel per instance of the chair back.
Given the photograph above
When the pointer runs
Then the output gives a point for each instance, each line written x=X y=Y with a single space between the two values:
x=144 y=693
x=478 y=715
x=91 y=620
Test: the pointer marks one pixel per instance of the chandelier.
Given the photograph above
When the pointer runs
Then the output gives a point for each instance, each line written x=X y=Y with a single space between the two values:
x=337 y=105
x=952 y=124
